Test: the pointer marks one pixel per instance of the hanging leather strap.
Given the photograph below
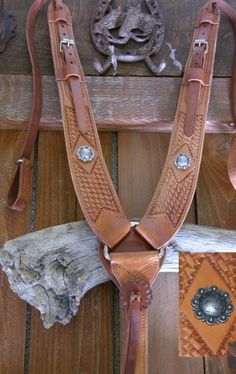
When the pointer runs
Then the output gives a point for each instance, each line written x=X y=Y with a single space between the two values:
x=18 y=195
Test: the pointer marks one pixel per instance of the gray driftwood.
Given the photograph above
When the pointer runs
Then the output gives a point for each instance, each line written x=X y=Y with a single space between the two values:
x=53 y=268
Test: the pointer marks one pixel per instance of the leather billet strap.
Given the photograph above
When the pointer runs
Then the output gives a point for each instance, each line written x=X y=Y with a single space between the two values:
x=18 y=195
x=92 y=182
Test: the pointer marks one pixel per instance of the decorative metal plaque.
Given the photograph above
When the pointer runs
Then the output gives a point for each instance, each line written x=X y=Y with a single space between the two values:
x=127 y=31
x=212 y=305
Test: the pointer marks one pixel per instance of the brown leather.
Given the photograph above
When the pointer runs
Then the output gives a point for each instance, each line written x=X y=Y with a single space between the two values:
x=201 y=270
x=170 y=203
x=141 y=268
x=92 y=182
x=174 y=193
x=132 y=251
x=18 y=195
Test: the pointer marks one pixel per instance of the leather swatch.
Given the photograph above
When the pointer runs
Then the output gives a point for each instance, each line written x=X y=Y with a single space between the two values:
x=207 y=303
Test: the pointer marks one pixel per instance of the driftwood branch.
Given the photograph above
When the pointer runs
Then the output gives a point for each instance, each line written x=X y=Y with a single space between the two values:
x=52 y=269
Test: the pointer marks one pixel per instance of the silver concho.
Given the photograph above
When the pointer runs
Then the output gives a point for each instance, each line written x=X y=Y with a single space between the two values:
x=85 y=153
x=183 y=161
x=212 y=305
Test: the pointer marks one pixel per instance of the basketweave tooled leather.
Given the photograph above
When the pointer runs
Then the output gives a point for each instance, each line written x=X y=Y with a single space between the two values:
x=92 y=182
x=200 y=270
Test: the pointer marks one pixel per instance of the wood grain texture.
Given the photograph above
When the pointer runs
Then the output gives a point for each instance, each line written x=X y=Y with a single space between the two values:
x=163 y=331
x=119 y=104
x=179 y=22
x=218 y=366
x=79 y=347
x=141 y=159
x=12 y=225
x=215 y=189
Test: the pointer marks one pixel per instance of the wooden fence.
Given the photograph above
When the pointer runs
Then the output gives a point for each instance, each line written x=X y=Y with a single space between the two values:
x=144 y=105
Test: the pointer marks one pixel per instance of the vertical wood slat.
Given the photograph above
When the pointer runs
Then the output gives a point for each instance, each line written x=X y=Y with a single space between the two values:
x=141 y=159
x=216 y=206
x=12 y=224
x=85 y=345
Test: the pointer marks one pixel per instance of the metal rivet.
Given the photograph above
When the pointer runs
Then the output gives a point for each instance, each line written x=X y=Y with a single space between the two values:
x=85 y=153
x=183 y=161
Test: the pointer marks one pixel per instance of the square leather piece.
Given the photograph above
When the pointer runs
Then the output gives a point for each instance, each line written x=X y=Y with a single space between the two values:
x=203 y=271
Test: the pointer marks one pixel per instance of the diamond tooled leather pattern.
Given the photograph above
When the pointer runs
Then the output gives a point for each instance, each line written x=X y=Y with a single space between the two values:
x=92 y=182
x=173 y=195
x=98 y=198
x=193 y=340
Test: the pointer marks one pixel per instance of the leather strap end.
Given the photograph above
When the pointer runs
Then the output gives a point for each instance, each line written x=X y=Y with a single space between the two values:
x=232 y=162
x=20 y=189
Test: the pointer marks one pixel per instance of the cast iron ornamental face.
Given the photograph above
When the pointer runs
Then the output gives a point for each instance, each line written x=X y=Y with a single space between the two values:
x=139 y=24
x=212 y=305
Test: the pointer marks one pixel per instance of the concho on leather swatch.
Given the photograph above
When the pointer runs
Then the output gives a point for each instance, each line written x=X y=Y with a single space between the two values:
x=207 y=300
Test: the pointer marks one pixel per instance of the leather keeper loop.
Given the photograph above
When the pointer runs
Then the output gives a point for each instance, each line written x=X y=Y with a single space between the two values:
x=210 y=18
x=197 y=74
x=69 y=70
x=60 y=15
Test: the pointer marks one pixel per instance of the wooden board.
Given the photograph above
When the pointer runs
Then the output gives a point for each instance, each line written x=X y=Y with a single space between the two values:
x=119 y=104
x=85 y=345
x=141 y=158
x=12 y=224
x=179 y=22
x=216 y=206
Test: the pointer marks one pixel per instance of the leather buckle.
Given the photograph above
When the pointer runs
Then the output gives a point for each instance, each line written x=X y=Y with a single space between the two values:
x=201 y=43
x=67 y=42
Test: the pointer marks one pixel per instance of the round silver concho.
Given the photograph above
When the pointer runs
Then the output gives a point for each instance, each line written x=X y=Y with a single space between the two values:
x=212 y=305
x=85 y=153
x=183 y=161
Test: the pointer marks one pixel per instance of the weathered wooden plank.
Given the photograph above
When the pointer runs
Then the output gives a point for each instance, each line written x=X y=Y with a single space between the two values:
x=12 y=224
x=216 y=205
x=179 y=22
x=218 y=366
x=130 y=104
x=137 y=180
x=163 y=331
x=34 y=264
x=78 y=347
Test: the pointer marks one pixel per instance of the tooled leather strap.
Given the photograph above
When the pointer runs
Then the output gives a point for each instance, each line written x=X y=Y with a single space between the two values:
x=176 y=188
x=134 y=274
x=161 y=221
x=92 y=182
x=18 y=195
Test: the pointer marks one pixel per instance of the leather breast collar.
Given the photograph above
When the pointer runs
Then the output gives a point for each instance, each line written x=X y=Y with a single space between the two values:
x=131 y=254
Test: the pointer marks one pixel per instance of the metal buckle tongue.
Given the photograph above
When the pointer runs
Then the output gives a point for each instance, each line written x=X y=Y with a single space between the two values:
x=67 y=42
x=201 y=43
